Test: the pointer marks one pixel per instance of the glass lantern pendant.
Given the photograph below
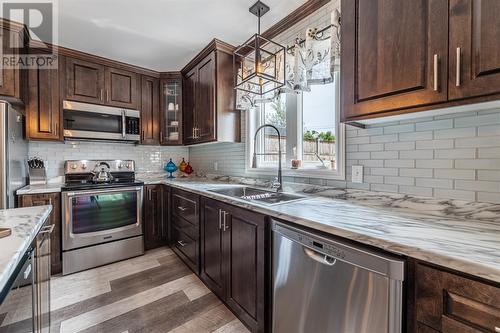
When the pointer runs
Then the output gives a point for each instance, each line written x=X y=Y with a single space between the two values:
x=259 y=63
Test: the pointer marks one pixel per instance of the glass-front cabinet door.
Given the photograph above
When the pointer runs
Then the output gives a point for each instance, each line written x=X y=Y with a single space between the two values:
x=171 y=110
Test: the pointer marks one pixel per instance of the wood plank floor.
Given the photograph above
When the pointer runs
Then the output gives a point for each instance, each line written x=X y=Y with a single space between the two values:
x=152 y=293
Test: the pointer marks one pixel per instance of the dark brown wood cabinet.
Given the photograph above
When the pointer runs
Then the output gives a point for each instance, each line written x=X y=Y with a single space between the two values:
x=185 y=227
x=209 y=98
x=234 y=255
x=53 y=199
x=43 y=108
x=394 y=54
x=122 y=88
x=150 y=111
x=156 y=231
x=85 y=81
x=401 y=56
x=474 y=48
x=13 y=79
x=447 y=302
x=92 y=82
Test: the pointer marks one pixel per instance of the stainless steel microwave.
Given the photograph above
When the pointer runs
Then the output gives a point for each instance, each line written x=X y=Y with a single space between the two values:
x=83 y=121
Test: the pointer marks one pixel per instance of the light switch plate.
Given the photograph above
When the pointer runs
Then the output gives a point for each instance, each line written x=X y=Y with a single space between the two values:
x=357 y=173
x=216 y=166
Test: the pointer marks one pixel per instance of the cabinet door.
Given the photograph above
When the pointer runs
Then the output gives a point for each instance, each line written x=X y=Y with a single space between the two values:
x=474 y=48
x=84 y=81
x=171 y=112
x=150 y=112
x=245 y=260
x=155 y=221
x=43 y=110
x=189 y=98
x=212 y=246
x=53 y=199
x=121 y=88
x=394 y=55
x=205 y=100
x=10 y=81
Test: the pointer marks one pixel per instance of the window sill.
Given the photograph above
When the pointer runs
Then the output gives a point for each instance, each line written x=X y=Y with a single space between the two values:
x=306 y=173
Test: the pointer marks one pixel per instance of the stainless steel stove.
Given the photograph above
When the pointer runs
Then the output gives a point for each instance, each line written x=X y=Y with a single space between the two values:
x=102 y=213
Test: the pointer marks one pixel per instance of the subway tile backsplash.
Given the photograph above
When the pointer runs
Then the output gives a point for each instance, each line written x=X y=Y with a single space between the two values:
x=456 y=156
x=147 y=158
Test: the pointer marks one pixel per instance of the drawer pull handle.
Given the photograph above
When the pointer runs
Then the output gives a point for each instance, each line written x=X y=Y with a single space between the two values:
x=181 y=243
x=497 y=329
x=183 y=209
x=47 y=229
x=459 y=66
x=436 y=72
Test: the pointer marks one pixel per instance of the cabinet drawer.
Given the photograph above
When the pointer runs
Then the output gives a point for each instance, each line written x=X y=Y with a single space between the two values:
x=185 y=205
x=186 y=227
x=446 y=300
x=187 y=246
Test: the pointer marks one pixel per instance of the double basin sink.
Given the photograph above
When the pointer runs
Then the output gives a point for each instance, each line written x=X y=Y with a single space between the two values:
x=258 y=195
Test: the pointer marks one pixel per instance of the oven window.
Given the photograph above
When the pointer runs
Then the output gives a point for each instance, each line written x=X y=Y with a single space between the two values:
x=94 y=122
x=104 y=212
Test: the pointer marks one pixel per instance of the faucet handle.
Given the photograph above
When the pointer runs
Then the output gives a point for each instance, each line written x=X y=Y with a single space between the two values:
x=275 y=183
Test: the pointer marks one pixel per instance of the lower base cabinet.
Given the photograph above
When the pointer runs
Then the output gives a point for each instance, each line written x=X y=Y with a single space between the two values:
x=233 y=253
x=54 y=199
x=156 y=231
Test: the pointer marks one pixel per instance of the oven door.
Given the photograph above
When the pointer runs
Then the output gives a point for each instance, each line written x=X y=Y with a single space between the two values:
x=99 y=216
x=91 y=122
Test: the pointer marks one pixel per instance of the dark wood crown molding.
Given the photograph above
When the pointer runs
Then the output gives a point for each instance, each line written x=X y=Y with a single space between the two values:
x=215 y=44
x=294 y=17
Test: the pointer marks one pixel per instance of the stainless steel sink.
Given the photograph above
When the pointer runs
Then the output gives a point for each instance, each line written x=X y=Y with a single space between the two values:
x=258 y=195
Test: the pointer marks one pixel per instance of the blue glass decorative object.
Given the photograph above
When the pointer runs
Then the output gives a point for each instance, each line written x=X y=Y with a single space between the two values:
x=170 y=167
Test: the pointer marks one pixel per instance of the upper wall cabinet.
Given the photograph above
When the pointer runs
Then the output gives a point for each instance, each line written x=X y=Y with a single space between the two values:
x=171 y=109
x=13 y=79
x=209 y=109
x=43 y=108
x=474 y=48
x=90 y=82
x=394 y=54
x=403 y=56
x=150 y=112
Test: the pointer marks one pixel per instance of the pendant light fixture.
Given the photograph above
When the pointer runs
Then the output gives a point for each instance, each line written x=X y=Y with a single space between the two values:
x=259 y=63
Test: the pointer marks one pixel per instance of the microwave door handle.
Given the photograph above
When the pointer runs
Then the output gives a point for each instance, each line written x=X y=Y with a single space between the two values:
x=124 y=120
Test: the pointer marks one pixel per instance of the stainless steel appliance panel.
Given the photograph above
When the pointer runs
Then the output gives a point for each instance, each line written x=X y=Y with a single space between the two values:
x=322 y=285
x=19 y=303
x=98 y=216
x=13 y=154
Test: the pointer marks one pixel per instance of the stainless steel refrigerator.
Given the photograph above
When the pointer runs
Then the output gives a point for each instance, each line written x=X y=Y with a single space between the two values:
x=13 y=154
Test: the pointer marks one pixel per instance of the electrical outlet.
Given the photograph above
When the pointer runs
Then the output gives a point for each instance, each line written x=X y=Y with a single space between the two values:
x=357 y=173
x=216 y=166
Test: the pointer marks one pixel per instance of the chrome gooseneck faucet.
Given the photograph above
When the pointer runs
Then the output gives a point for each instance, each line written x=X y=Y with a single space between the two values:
x=278 y=181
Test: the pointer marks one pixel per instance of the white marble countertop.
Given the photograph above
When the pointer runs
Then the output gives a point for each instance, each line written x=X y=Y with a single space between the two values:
x=41 y=188
x=453 y=234
x=25 y=224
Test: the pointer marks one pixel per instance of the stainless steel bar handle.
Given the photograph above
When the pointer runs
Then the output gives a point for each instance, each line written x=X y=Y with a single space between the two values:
x=102 y=95
x=224 y=220
x=181 y=208
x=497 y=329
x=124 y=124
x=107 y=95
x=436 y=72
x=220 y=219
x=319 y=257
x=459 y=66
x=181 y=243
x=27 y=272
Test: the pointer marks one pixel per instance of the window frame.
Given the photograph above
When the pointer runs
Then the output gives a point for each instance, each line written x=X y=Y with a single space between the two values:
x=253 y=120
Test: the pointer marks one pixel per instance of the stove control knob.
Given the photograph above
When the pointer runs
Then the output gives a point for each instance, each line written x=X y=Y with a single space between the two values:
x=120 y=166
x=84 y=166
x=74 y=166
x=128 y=165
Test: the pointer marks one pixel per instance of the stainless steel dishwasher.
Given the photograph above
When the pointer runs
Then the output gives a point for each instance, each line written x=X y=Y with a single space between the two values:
x=323 y=285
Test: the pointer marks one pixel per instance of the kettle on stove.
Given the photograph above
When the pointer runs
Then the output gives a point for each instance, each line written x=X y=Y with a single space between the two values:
x=103 y=175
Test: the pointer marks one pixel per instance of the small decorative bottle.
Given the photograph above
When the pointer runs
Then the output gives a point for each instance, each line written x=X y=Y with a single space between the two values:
x=170 y=167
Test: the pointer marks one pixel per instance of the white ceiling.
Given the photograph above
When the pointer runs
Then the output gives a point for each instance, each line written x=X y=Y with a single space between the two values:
x=160 y=34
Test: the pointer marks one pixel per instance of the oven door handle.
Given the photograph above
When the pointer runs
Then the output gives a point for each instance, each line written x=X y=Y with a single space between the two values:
x=115 y=190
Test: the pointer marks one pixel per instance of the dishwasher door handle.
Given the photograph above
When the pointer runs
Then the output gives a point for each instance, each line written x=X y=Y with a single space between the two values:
x=319 y=257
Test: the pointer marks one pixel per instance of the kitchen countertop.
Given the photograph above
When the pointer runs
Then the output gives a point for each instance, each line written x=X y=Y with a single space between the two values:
x=25 y=224
x=39 y=189
x=459 y=235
